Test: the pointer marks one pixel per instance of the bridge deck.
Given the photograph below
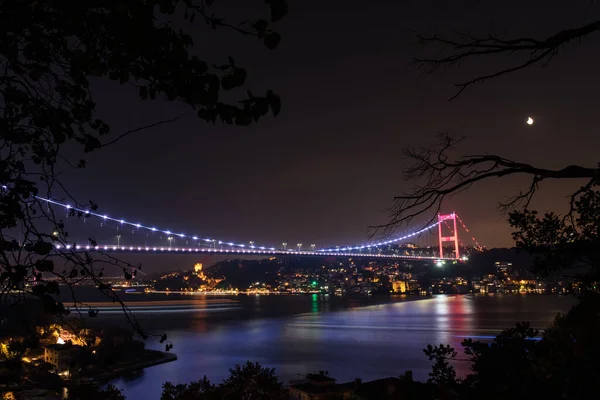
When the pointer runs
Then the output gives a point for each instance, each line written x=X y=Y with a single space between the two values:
x=248 y=252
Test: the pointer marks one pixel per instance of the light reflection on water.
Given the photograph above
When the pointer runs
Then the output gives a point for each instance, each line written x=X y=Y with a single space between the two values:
x=369 y=342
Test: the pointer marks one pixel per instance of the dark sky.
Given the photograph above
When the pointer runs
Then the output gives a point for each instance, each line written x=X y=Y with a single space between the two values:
x=326 y=167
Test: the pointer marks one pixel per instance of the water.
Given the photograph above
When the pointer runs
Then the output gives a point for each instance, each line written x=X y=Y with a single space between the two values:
x=346 y=338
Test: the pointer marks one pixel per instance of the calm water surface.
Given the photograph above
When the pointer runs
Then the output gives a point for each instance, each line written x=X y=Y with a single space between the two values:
x=297 y=335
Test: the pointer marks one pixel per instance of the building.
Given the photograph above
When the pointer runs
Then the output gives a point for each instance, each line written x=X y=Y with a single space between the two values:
x=380 y=389
x=503 y=266
x=61 y=356
x=400 y=286
x=319 y=387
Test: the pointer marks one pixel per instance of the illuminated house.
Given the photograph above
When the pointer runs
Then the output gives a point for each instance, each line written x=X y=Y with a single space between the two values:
x=198 y=268
x=400 y=286
x=61 y=356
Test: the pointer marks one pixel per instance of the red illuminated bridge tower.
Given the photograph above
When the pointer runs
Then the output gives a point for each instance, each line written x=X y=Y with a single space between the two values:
x=442 y=220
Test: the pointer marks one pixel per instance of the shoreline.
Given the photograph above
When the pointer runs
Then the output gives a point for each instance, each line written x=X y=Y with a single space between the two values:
x=165 y=357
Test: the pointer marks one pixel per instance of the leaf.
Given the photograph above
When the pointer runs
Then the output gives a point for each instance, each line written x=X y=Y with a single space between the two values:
x=42 y=248
x=274 y=102
x=44 y=265
x=91 y=143
x=143 y=92
x=279 y=9
x=243 y=119
x=272 y=40
x=235 y=78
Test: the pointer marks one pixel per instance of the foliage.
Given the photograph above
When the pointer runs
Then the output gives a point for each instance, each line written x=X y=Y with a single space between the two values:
x=564 y=242
x=51 y=54
x=93 y=392
x=15 y=349
x=442 y=371
x=507 y=361
x=562 y=364
x=252 y=382
x=109 y=353
x=201 y=389
x=247 y=382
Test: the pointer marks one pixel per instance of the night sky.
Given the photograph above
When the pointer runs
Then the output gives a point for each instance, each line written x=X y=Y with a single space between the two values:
x=330 y=163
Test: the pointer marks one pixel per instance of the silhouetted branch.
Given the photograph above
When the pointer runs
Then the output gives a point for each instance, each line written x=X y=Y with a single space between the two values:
x=141 y=128
x=538 y=51
x=48 y=115
x=443 y=176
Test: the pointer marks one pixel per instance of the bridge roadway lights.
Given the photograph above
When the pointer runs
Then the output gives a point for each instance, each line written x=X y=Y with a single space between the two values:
x=442 y=218
x=251 y=252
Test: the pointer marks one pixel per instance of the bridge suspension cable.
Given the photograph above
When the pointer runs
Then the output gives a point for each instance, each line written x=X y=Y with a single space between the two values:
x=214 y=242
x=383 y=243
x=148 y=228
x=469 y=232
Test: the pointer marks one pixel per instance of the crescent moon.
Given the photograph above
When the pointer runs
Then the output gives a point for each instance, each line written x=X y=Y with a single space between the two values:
x=529 y=121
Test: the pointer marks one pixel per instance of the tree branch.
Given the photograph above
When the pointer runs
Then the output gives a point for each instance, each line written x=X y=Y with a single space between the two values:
x=538 y=51
x=141 y=128
x=442 y=176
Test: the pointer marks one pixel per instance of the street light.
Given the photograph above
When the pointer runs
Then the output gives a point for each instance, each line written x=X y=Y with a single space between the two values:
x=313 y=247
x=170 y=239
x=284 y=245
x=252 y=244
x=118 y=240
x=299 y=246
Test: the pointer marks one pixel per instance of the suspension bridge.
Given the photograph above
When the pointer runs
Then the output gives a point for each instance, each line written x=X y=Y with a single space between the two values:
x=400 y=247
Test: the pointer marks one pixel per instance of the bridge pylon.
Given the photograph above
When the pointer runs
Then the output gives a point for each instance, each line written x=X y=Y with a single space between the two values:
x=441 y=219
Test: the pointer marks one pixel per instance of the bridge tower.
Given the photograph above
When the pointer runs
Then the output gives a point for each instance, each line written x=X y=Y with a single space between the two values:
x=441 y=219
